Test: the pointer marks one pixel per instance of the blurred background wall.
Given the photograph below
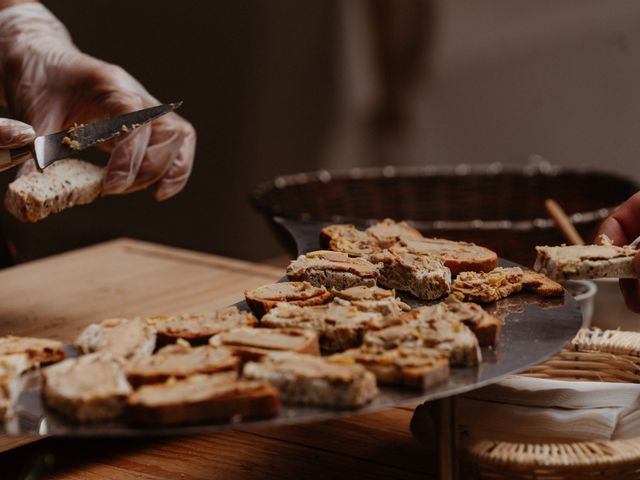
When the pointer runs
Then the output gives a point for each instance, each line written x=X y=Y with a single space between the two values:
x=282 y=86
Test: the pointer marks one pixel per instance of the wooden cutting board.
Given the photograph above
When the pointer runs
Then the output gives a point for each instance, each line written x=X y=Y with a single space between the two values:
x=57 y=297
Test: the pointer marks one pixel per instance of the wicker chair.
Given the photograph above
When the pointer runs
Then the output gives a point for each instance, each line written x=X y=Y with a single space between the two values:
x=594 y=355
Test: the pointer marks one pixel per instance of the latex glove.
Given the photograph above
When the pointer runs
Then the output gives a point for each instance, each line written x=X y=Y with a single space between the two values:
x=623 y=227
x=50 y=84
x=15 y=134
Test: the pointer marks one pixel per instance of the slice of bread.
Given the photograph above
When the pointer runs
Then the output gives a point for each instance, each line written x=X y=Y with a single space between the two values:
x=427 y=327
x=202 y=398
x=419 y=368
x=486 y=287
x=541 y=284
x=457 y=256
x=40 y=351
x=485 y=326
x=388 y=232
x=180 y=360
x=575 y=262
x=348 y=239
x=332 y=270
x=339 y=327
x=266 y=297
x=12 y=367
x=64 y=184
x=124 y=339
x=86 y=389
x=251 y=344
x=424 y=276
x=197 y=328
x=311 y=380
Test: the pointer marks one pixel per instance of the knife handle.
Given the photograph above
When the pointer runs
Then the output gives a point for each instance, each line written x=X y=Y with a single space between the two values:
x=10 y=158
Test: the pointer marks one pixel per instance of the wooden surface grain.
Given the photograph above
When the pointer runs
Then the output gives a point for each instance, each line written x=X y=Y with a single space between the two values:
x=57 y=296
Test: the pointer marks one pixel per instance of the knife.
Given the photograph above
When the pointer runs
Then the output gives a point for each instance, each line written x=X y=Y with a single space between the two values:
x=46 y=149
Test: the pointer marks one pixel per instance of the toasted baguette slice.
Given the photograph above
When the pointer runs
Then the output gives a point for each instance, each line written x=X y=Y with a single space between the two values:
x=86 y=389
x=419 y=368
x=348 y=239
x=332 y=270
x=424 y=276
x=541 y=284
x=197 y=328
x=266 y=297
x=251 y=344
x=485 y=326
x=12 y=367
x=339 y=327
x=202 y=398
x=576 y=262
x=427 y=327
x=38 y=350
x=310 y=380
x=457 y=256
x=123 y=338
x=388 y=232
x=64 y=184
x=488 y=287
x=180 y=360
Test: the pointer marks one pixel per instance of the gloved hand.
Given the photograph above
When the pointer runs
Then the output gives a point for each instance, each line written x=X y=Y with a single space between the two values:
x=15 y=134
x=50 y=84
x=623 y=227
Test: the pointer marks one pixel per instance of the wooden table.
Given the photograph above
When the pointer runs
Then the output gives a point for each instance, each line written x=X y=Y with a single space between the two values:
x=57 y=296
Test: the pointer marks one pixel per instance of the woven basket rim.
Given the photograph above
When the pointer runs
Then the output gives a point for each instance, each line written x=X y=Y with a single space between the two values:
x=431 y=170
x=570 y=455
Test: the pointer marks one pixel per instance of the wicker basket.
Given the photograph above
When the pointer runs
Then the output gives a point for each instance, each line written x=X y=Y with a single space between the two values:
x=499 y=206
x=594 y=355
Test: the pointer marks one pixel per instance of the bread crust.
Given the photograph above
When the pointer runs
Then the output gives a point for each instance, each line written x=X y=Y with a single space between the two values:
x=583 y=262
x=264 y=298
x=202 y=398
x=66 y=183
x=70 y=388
x=310 y=380
x=179 y=361
x=252 y=344
x=541 y=284
x=197 y=328
x=40 y=351
x=486 y=287
x=123 y=338
x=419 y=368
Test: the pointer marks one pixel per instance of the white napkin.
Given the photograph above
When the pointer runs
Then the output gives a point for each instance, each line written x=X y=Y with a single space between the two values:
x=521 y=408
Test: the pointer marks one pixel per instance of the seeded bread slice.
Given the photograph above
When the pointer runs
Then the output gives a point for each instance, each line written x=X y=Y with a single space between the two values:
x=457 y=256
x=180 y=360
x=485 y=287
x=576 y=262
x=197 y=328
x=40 y=351
x=429 y=327
x=124 y=339
x=419 y=368
x=64 y=184
x=339 y=327
x=425 y=276
x=310 y=380
x=388 y=232
x=87 y=388
x=332 y=270
x=202 y=398
x=264 y=298
x=348 y=239
x=251 y=344
x=485 y=326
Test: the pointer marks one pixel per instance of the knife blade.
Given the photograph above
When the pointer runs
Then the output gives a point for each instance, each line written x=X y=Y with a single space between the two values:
x=46 y=149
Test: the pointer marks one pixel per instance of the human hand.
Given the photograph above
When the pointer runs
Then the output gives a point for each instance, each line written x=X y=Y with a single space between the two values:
x=623 y=227
x=50 y=84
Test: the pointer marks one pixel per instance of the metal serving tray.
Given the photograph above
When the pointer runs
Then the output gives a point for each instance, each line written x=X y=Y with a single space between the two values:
x=534 y=329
